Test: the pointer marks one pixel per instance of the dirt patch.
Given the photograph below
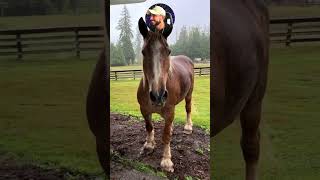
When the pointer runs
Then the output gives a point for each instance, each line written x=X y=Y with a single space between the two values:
x=190 y=153
x=11 y=169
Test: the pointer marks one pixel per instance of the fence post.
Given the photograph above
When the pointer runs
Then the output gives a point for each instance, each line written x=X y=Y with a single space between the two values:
x=134 y=75
x=289 y=31
x=77 y=43
x=116 y=75
x=19 y=46
x=200 y=72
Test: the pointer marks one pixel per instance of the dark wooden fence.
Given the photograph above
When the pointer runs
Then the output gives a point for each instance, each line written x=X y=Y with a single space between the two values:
x=297 y=30
x=137 y=74
x=50 y=40
x=78 y=39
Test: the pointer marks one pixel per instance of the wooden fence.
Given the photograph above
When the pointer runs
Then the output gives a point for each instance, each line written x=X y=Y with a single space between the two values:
x=90 y=38
x=137 y=74
x=297 y=30
x=51 y=40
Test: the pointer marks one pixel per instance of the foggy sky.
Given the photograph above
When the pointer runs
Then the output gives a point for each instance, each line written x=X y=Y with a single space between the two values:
x=187 y=12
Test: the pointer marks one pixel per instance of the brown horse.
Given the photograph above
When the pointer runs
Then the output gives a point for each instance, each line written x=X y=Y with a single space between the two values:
x=240 y=65
x=166 y=82
x=98 y=98
x=96 y=108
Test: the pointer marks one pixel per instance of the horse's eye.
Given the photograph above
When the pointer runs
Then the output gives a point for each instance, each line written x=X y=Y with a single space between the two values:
x=143 y=52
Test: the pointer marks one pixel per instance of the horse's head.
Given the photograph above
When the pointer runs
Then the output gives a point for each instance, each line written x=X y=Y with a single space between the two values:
x=156 y=63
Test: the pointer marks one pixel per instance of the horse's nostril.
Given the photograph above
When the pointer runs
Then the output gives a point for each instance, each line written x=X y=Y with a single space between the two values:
x=165 y=95
x=152 y=97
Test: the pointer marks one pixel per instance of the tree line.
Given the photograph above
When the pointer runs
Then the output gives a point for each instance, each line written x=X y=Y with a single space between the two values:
x=46 y=7
x=192 y=42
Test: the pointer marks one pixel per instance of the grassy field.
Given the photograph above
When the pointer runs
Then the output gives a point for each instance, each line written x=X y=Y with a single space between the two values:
x=290 y=125
x=26 y=22
x=294 y=11
x=42 y=114
x=124 y=100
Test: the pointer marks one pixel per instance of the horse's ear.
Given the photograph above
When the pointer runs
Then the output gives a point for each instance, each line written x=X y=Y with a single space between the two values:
x=143 y=28
x=166 y=33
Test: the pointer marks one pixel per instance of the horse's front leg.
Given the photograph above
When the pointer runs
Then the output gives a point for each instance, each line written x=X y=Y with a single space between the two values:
x=150 y=142
x=166 y=162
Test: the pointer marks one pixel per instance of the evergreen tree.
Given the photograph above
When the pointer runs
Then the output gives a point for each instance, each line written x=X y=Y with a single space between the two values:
x=180 y=47
x=116 y=55
x=194 y=43
x=124 y=25
x=138 y=47
x=205 y=44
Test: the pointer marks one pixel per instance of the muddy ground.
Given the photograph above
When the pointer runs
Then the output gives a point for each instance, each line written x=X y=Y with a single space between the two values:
x=190 y=153
x=11 y=169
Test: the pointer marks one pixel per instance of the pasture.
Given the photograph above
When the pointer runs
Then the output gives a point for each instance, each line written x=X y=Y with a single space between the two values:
x=42 y=112
x=42 y=108
x=290 y=122
x=294 y=11
x=34 y=22
x=123 y=100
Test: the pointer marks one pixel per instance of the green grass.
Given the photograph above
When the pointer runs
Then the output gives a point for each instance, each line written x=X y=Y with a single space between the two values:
x=26 y=22
x=294 y=11
x=42 y=112
x=124 y=100
x=139 y=166
x=290 y=123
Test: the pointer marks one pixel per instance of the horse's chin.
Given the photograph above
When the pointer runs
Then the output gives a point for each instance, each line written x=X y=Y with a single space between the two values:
x=160 y=104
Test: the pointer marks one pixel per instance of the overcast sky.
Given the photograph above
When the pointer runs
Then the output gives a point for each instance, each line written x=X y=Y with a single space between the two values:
x=187 y=12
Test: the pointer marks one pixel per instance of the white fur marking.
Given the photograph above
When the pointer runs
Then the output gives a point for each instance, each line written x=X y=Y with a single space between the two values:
x=171 y=67
x=156 y=62
x=188 y=126
x=166 y=162
x=150 y=142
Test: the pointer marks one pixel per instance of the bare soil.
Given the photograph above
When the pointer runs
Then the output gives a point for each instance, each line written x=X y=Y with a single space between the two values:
x=190 y=153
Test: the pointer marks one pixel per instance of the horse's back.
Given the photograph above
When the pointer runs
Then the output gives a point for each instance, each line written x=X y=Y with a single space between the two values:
x=182 y=64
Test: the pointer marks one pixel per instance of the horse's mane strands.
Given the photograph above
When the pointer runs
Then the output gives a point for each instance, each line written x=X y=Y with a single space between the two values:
x=171 y=67
x=143 y=80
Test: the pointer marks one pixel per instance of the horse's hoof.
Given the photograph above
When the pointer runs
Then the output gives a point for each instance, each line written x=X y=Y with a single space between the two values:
x=167 y=165
x=187 y=129
x=149 y=145
x=148 y=148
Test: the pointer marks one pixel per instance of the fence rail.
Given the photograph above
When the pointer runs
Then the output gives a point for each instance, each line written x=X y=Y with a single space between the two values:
x=137 y=74
x=297 y=30
x=51 y=40
x=90 y=38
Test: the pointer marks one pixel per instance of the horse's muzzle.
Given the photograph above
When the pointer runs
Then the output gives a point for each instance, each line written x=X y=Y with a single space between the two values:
x=159 y=98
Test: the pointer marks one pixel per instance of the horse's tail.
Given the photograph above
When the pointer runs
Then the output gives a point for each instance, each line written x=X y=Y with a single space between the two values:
x=96 y=108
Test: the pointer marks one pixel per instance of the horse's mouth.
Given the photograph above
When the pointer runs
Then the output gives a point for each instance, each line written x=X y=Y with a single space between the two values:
x=159 y=104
